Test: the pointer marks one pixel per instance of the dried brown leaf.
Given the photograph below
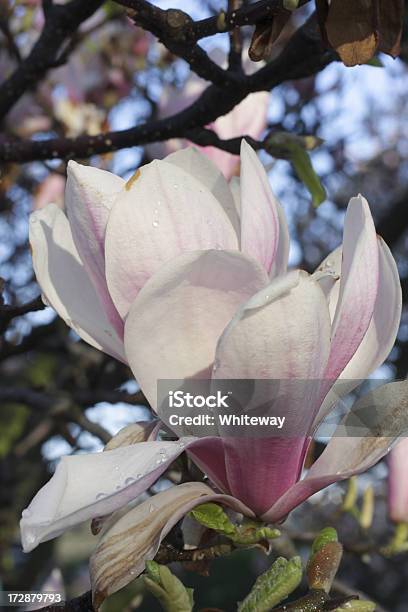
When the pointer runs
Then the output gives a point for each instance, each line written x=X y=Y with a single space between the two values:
x=351 y=30
x=265 y=36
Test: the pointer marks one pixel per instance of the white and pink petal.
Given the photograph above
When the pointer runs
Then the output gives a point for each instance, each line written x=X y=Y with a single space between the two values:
x=89 y=197
x=367 y=434
x=65 y=283
x=259 y=212
x=279 y=340
x=175 y=322
x=86 y=486
x=162 y=212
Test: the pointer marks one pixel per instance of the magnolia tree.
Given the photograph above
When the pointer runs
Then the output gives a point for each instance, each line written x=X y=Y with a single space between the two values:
x=193 y=372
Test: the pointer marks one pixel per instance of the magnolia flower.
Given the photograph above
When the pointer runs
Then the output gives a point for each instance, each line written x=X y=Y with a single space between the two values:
x=185 y=277
x=398 y=483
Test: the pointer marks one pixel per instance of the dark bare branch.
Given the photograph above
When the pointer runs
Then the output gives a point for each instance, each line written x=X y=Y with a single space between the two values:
x=61 y=22
x=303 y=56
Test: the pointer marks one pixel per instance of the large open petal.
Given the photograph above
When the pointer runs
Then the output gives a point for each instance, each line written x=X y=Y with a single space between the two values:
x=381 y=333
x=134 y=433
x=281 y=335
x=174 y=323
x=65 y=283
x=398 y=482
x=94 y=485
x=365 y=435
x=162 y=212
x=259 y=210
x=122 y=552
x=202 y=168
x=358 y=286
x=89 y=196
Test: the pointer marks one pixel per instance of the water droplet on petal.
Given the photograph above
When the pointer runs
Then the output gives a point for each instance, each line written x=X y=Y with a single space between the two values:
x=155 y=223
x=100 y=495
x=175 y=186
x=152 y=508
x=216 y=365
x=129 y=481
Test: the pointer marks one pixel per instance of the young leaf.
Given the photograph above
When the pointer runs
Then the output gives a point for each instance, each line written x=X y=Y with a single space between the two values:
x=326 y=535
x=357 y=606
x=324 y=560
x=213 y=517
x=249 y=533
x=323 y=565
x=167 y=588
x=272 y=587
x=306 y=173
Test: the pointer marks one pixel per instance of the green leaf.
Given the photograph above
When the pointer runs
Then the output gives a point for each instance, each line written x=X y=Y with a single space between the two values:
x=249 y=533
x=153 y=571
x=167 y=588
x=357 y=606
x=293 y=147
x=272 y=587
x=304 y=169
x=328 y=534
x=213 y=517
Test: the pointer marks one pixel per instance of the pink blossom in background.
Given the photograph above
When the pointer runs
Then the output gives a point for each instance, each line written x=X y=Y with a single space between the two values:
x=398 y=482
x=183 y=278
x=247 y=118
x=51 y=190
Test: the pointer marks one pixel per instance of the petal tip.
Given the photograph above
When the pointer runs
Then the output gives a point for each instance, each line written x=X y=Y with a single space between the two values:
x=73 y=167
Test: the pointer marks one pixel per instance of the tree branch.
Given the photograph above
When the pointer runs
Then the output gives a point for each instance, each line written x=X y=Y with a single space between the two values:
x=173 y=28
x=7 y=312
x=191 y=32
x=61 y=22
x=303 y=56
